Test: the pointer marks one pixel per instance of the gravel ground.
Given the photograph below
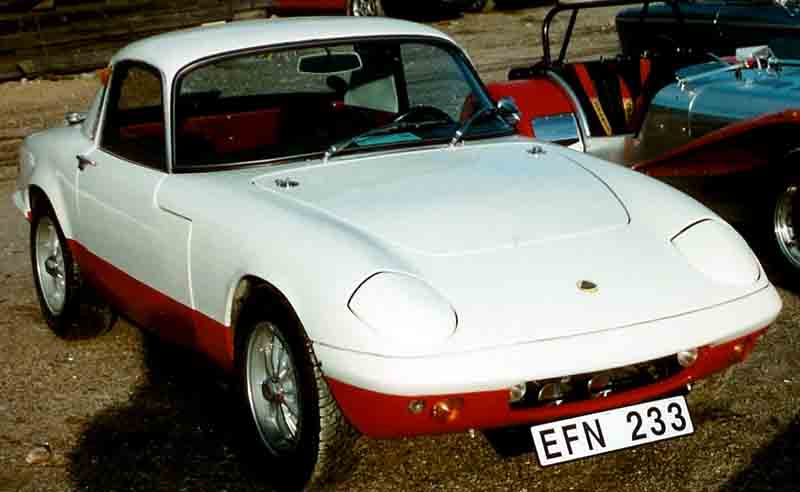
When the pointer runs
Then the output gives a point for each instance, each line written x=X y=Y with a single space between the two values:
x=123 y=413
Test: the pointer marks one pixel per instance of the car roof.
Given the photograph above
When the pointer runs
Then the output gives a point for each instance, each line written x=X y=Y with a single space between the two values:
x=172 y=51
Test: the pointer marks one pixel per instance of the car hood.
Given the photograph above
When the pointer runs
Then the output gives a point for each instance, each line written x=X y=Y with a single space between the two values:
x=712 y=98
x=465 y=200
x=508 y=237
x=505 y=236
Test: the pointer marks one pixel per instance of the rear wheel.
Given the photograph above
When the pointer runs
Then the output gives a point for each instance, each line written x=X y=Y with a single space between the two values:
x=70 y=307
x=298 y=424
x=366 y=8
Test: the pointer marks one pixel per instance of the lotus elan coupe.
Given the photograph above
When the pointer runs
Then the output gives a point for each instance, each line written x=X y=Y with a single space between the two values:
x=336 y=213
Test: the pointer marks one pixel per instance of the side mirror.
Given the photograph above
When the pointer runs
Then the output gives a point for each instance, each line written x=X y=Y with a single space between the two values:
x=509 y=111
x=74 y=118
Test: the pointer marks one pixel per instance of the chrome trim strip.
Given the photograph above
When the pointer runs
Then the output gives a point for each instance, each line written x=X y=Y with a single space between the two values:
x=683 y=82
x=584 y=133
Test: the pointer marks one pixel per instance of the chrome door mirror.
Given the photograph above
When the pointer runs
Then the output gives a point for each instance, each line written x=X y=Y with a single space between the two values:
x=74 y=118
x=507 y=108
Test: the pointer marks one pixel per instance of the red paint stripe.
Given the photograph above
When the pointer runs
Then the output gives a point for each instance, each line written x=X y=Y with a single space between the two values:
x=156 y=311
x=383 y=415
x=585 y=80
x=645 y=65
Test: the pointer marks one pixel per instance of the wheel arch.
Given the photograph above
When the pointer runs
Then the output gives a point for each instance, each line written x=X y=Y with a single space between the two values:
x=43 y=187
x=253 y=296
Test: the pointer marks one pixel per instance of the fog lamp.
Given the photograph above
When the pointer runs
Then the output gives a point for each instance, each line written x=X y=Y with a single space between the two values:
x=517 y=392
x=599 y=386
x=687 y=357
x=554 y=393
x=447 y=410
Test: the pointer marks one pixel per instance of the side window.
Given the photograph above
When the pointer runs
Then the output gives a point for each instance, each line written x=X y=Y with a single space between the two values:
x=434 y=79
x=134 y=121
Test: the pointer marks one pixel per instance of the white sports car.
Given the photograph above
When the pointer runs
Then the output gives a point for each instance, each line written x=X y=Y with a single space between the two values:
x=336 y=212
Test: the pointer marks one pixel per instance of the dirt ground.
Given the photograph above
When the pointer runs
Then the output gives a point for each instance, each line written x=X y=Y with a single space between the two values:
x=122 y=413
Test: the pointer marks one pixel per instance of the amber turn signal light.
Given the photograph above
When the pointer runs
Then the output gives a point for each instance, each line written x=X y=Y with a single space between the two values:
x=448 y=410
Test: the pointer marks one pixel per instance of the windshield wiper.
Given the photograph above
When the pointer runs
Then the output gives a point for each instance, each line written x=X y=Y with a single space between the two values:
x=458 y=136
x=388 y=128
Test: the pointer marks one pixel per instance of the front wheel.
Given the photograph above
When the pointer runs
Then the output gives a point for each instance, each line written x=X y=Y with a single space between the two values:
x=366 y=8
x=786 y=222
x=298 y=424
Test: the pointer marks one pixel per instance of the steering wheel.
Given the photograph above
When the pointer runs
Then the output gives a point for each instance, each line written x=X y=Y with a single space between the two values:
x=422 y=113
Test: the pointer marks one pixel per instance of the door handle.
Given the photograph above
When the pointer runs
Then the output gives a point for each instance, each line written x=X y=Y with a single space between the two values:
x=84 y=161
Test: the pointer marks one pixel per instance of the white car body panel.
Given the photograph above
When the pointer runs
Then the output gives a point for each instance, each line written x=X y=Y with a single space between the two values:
x=150 y=244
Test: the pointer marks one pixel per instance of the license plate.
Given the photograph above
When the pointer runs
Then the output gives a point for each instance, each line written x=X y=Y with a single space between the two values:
x=611 y=430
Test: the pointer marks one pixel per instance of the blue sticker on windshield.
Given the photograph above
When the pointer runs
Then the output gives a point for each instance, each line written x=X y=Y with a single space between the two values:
x=392 y=138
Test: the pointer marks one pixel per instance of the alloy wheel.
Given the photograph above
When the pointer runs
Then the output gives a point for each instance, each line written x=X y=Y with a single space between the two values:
x=272 y=389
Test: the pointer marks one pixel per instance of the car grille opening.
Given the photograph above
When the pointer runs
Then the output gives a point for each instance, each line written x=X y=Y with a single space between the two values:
x=589 y=386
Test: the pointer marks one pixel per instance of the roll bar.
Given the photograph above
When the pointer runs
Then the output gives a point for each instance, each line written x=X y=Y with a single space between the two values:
x=574 y=7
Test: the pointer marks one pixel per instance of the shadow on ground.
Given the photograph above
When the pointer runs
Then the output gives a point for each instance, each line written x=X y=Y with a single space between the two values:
x=177 y=432
x=774 y=468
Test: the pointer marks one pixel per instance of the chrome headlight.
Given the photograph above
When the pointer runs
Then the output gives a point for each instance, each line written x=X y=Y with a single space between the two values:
x=715 y=249
x=403 y=309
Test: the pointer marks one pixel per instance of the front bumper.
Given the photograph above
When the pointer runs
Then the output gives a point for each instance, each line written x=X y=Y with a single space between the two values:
x=384 y=415
x=503 y=366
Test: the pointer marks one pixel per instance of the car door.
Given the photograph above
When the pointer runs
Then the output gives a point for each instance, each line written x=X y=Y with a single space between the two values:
x=138 y=252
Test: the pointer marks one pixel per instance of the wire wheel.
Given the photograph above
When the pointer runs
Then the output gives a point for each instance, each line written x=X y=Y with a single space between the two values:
x=785 y=224
x=50 y=268
x=272 y=389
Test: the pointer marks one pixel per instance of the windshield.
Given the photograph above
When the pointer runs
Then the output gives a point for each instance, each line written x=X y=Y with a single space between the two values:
x=303 y=102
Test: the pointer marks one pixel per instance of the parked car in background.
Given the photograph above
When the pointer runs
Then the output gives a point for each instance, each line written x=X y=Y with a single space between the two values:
x=367 y=8
x=724 y=131
x=335 y=212
x=716 y=26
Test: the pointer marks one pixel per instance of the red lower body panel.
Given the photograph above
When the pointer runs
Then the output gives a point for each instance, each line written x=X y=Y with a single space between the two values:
x=382 y=415
x=155 y=311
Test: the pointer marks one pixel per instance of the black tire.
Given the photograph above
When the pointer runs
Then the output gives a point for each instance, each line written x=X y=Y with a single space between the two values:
x=320 y=450
x=366 y=8
x=785 y=214
x=82 y=314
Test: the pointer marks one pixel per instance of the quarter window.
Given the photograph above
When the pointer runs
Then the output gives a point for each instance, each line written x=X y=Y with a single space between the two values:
x=134 y=124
